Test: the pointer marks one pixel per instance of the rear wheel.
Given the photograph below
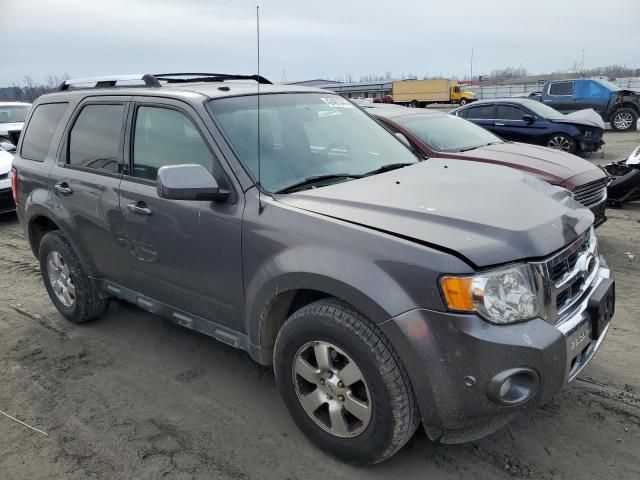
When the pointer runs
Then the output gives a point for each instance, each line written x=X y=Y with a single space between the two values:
x=560 y=141
x=66 y=280
x=624 y=119
x=343 y=383
x=414 y=104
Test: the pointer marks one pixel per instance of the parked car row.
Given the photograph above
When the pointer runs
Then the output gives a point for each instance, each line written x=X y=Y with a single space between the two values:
x=287 y=222
x=12 y=116
x=435 y=134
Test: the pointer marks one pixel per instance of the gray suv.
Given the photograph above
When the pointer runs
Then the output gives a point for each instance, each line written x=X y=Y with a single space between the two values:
x=385 y=291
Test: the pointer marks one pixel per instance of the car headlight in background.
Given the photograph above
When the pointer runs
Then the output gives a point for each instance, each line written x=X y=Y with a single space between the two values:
x=502 y=296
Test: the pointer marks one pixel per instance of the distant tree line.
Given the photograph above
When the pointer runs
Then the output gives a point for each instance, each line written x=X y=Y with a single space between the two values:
x=28 y=90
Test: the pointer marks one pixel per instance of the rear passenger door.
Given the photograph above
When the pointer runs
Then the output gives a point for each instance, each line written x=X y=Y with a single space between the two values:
x=559 y=95
x=482 y=115
x=185 y=254
x=84 y=184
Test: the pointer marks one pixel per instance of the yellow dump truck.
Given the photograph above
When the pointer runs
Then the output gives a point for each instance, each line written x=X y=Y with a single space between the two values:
x=418 y=93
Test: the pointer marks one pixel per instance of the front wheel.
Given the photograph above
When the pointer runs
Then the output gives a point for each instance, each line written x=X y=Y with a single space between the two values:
x=562 y=142
x=344 y=383
x=463 y=101
x=624 y=119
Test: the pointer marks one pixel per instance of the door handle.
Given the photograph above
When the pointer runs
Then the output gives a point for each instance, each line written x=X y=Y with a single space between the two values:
x=63 y=188
x=139 y=208
x=499 y=124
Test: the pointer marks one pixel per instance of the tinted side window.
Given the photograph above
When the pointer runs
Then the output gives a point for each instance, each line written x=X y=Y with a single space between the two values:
x=561 y=88
x=462 y=113
x=40 y=129
x=167 y=137
x=509 y=112
x=95 y=139
x=480 y=112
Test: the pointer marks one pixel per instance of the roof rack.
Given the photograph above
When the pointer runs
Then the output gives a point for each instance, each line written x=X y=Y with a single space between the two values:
x=207 y=77
x=154 y=80
x=110 y=81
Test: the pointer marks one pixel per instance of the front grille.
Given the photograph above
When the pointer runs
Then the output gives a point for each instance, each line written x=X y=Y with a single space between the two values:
x=568 y=276
x=592 y=193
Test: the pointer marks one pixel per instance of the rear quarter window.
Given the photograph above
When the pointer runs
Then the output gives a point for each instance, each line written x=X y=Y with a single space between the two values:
x=40 y=130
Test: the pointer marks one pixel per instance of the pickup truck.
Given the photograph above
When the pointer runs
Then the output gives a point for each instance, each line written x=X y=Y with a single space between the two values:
x=618 y=106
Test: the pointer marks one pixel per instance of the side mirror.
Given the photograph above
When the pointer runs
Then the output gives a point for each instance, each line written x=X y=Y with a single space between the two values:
x=189 y=182
x=528 y=118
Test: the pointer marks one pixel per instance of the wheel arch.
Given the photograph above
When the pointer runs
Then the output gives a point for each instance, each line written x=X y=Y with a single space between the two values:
x=283 y=296
x=39 y=225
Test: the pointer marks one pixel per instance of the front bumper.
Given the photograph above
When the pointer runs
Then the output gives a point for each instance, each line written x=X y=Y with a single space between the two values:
x=590 y=145
x=453 y=359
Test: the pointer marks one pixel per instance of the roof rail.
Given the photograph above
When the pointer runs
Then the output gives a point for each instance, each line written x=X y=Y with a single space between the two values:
x=207 y=77
x=110 y=81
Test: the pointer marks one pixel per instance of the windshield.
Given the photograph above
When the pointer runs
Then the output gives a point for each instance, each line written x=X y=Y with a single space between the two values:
x=545 y=111
x=608 y=85
x=447 y=133
x=305 y=135
x=13 y=113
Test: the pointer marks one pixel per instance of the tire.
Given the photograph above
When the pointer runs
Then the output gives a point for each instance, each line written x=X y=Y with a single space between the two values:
x=463 y=102
x=348 y=339
x=562 y=142
x=414 y=104
x=624 y=119
x=60 y=265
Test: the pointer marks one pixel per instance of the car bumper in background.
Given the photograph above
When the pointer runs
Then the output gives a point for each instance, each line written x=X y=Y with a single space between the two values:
x=458 y=363
x=6 y=200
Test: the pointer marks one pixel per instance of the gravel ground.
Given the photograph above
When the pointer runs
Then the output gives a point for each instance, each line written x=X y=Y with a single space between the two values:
x=134 y=396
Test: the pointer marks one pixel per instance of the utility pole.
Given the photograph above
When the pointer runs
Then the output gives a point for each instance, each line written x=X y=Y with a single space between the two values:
x=471 y=73
x=582 y=63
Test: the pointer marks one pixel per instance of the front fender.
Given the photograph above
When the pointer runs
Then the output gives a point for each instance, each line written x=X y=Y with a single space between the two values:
x=378 y=296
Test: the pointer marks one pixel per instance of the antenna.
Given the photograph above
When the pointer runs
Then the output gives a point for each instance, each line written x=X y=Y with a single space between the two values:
x=260 y=204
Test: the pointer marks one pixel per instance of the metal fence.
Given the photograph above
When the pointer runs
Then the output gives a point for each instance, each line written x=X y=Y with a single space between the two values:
x=505 y=91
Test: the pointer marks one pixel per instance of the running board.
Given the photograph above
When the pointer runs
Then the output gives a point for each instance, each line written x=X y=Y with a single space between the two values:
x=219 y=332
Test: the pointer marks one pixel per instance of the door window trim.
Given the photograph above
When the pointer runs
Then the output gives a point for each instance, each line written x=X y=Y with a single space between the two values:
x=63 y=157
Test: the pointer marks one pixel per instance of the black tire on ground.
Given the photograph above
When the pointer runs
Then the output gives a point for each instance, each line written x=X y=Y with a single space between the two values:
x=557 y=141
x=463 y=101
x=394 y=415
x=624 y=119
x=414 y=104
x=87 y=303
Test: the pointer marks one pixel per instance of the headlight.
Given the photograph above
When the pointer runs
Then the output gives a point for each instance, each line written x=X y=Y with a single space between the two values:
x=504 y=295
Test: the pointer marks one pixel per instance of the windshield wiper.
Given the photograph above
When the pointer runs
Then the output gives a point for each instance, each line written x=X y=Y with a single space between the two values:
x=310 y=181
x=388 y=167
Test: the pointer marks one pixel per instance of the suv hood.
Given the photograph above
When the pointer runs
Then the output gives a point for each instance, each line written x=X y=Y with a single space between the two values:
x=487 y=214
x=550 y=165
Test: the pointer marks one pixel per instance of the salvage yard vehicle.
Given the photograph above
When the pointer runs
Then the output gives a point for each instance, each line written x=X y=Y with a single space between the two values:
x=625 y=186
x=528 y=121
x=418 y=93
x=285 y=221
x=12 y=115
x=436 y=134
x=616 y=105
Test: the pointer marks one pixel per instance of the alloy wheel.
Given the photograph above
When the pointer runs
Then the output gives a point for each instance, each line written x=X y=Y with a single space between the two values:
x=623 y=120
x=60 y=279
x=332 y=389
x=560 y=143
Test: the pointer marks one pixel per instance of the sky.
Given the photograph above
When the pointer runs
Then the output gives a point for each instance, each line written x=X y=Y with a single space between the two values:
x=303 y=40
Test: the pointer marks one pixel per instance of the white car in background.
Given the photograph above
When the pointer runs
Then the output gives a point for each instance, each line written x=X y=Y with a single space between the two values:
x=12 y=116
x=6 y=197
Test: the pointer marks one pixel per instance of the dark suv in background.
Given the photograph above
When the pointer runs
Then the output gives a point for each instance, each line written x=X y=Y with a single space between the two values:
x=285 y=221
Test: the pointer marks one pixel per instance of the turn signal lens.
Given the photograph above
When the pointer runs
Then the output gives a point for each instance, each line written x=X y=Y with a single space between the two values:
x=14 y=184
x=457 y=293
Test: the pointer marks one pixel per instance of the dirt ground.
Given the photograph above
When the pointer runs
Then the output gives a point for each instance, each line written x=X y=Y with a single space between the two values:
x=135 y=396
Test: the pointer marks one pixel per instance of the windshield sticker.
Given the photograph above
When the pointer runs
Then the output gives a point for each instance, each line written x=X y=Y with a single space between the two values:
x=337 y=102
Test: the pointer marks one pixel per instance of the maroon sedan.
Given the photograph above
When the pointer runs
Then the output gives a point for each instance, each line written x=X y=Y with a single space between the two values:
x=435 y=134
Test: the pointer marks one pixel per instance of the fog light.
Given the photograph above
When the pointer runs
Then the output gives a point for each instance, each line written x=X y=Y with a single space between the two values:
x=513 y=386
